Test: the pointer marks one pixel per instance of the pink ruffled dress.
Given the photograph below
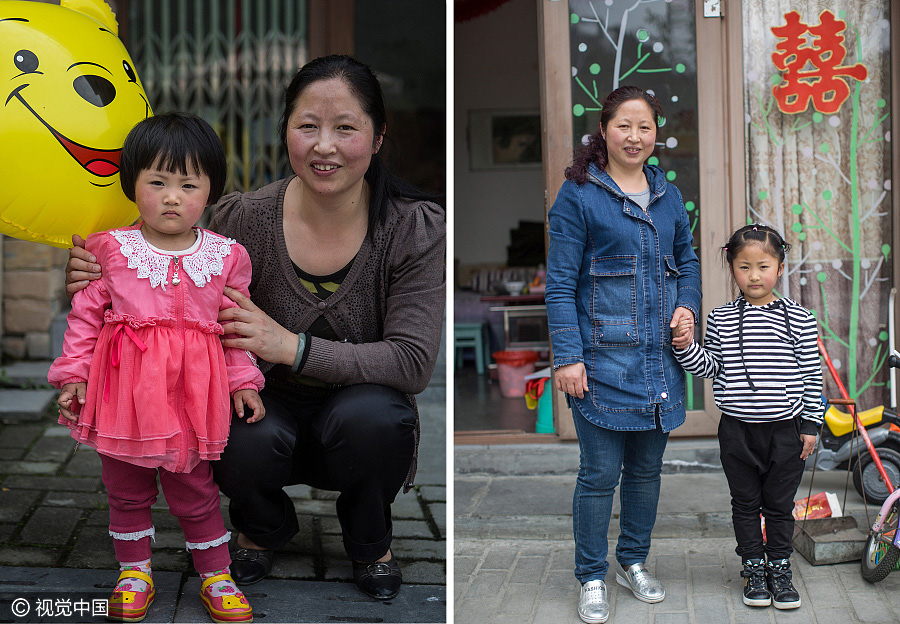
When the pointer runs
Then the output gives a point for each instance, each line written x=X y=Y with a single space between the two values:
x=146 y=340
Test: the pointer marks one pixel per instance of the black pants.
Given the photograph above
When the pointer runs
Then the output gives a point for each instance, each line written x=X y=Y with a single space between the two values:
x=763 y=466
x=358 y=440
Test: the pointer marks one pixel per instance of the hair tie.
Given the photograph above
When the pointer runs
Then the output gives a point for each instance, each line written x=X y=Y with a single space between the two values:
x=754 y=228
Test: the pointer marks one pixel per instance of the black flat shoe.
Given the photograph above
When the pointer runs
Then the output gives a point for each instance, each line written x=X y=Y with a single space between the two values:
x=250 y=566
x=379 y=580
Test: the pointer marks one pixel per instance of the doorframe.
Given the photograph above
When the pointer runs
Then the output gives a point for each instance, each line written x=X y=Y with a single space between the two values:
x=720 y=136
x=556 y=139
x=895 y=167
x=720 y=141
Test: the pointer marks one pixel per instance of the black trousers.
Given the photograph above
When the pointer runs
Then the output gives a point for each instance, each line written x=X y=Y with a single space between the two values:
x=358 y=440
x=763 y=466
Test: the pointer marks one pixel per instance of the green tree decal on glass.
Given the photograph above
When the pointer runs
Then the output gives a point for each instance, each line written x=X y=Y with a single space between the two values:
x=648 y=44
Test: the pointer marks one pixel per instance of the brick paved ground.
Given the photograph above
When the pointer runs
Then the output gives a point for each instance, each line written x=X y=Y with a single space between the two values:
x=53 y=516
x=514 y=553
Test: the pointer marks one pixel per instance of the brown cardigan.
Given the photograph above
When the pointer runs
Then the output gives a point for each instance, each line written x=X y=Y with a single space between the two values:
x=388 y=311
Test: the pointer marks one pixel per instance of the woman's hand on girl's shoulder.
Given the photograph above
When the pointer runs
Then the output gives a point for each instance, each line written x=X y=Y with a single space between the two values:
x=250 y=398
x=572 y=379
x=81 y=268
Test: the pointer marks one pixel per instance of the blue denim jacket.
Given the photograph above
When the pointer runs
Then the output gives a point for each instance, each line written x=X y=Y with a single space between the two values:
x=614 y=277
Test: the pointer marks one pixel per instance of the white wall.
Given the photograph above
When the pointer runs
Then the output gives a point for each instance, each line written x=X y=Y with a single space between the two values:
x=495 y=66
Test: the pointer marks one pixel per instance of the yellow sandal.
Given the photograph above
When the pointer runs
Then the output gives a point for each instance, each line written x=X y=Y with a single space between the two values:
x=225 y=609
x=130 y=606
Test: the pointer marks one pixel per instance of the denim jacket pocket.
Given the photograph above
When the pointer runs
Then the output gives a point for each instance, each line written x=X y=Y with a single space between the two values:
x=613 y=301
x=607 y=334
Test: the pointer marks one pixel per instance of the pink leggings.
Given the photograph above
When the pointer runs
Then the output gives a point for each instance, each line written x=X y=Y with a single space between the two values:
x=193 y=498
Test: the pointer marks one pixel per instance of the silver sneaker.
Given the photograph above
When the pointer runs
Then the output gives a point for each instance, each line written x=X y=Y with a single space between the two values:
x=638 y=579
x=593 y=605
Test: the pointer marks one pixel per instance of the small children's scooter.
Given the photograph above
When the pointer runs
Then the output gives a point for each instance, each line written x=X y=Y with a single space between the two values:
x=840 y=448
x=882 y=549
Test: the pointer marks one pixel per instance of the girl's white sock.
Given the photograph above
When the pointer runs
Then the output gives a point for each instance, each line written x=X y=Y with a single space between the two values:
x=224 y=587
x=134 y=584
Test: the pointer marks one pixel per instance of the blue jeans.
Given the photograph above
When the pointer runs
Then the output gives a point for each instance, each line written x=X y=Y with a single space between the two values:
x=605 y=455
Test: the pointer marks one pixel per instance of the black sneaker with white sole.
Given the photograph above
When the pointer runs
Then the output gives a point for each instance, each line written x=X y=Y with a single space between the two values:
x=778 y=581
x=756 y=594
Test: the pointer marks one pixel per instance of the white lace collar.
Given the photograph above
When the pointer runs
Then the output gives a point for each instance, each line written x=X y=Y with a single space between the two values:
x=200 y=262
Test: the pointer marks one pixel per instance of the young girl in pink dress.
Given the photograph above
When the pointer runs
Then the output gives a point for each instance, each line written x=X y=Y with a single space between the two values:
x=143 y=374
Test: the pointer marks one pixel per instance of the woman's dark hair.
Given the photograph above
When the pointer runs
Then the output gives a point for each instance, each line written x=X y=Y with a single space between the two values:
x=384 y=186
x=755 y=234
x=595 y=150
x=172 y=141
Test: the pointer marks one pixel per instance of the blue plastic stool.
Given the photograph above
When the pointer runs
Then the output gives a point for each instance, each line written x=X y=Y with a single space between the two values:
x=467 y=335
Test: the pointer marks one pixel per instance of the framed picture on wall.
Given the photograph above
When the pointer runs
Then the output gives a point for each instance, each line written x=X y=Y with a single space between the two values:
x=504 y=139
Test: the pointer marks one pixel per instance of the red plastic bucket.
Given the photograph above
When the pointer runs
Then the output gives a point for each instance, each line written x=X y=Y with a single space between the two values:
x=512 y=366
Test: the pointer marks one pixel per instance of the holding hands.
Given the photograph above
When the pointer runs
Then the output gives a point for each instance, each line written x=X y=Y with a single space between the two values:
x=572 y=378
x=682 y=326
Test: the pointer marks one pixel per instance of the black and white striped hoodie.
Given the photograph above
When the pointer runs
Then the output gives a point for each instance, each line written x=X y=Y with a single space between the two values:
x=764 y=362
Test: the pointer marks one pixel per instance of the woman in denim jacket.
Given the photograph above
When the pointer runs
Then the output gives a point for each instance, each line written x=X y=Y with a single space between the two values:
x=621 y=272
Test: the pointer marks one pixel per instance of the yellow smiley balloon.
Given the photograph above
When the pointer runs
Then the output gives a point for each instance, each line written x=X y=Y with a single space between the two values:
x=70 y=94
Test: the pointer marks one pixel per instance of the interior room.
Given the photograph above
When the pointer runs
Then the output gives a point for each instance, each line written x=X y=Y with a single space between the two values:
x=499 y=210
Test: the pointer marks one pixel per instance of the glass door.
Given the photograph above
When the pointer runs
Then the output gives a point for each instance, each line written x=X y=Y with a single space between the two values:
x=652 y=46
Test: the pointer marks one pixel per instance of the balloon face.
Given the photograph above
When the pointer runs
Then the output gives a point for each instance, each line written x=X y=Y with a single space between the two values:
x=70 y=95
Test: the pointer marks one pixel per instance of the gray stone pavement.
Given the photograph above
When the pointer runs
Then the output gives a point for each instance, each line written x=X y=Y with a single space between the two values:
x=514 y=553
x=54 y=519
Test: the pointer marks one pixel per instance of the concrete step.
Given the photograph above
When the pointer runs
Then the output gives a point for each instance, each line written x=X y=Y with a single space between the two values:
x=682 y=456
x=26 y=373
x=18 y=406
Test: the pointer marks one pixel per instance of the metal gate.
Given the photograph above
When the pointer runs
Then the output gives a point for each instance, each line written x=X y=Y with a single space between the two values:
x=226 y=61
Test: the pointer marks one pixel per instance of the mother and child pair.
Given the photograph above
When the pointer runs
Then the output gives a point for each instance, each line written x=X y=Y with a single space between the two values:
x=347 y=275
x=623 y=297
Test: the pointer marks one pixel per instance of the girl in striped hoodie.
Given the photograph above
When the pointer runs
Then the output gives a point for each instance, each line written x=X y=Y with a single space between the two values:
x=761 y=352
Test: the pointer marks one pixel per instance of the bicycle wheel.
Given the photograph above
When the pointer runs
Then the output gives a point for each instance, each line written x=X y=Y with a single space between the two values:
x=880 y=555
